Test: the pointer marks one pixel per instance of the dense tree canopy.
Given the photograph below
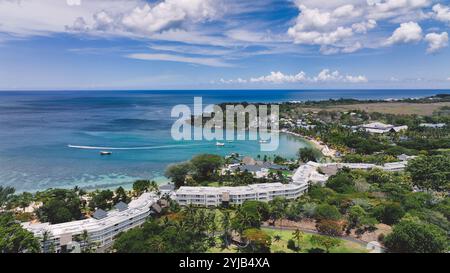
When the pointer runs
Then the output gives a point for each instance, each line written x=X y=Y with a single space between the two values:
x=59 y=206
x=141 y=186
x=14 y=238
x=415 y=236
x=184 y=232
x=389 y=213
x=254 y=212
x=102 y=200
x=341 y=183
x=327 y=212
x=121 y=196
x=5 y=194
x=325 y=242
x=257 y=240
x=205 y=165
x=431 y=172
x=307 y=154
x=178 y=173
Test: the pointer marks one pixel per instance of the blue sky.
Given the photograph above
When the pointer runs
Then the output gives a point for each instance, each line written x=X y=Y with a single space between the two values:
x=223 y=44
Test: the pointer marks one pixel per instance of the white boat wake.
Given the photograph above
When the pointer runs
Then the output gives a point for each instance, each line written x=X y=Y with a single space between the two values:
x=131 y=148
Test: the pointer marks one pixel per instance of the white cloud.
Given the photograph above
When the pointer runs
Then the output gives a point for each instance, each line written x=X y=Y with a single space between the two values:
x=441 y=13
x=352 y=48
x=73 y=2
x=356 y=79
x=238 y=80
x=277 y=77
x=119 y=17
x=339 y=26
x=181 y=59
x=406 y=33
x=153 y=18
x=331 y=26
x=316 y=27
x=347 y=11
x=436 y=41
x=384 y=9
x=363 y=27
x=327 y=75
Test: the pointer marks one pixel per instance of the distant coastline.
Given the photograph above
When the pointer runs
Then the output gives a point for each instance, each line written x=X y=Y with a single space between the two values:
x=121 y=119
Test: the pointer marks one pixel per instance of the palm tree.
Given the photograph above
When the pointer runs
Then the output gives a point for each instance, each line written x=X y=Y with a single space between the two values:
x=158 y=245
x=45 y=237
x=84 y=237
x=297 y=235
x=277 y=238
x=154 y=186
x=226 y=223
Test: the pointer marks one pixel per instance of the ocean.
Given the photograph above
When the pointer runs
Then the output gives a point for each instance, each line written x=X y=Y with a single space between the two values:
x=37 y=127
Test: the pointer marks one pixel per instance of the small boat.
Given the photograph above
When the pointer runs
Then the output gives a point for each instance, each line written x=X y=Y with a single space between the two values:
x=262 y=141
x=220 y=144
x=105 y=153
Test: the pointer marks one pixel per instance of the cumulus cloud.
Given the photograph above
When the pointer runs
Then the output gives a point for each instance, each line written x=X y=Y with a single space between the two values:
x=337 y=26
x=149 y=19
x=278 y=77
x=383 y=9
x=364 y=26
x=406 y=33
x=441 y=13
x=330 y=26
x=436 y=41
x=327 y=75
x=316 y=27
x=118 y=17
x=238 y=80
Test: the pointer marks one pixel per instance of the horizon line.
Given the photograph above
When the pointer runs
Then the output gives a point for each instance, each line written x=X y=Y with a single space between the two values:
x=222 y=89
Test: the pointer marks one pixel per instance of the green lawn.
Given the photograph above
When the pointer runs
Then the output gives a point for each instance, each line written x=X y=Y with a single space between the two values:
x=281 y=245
x=284 y=172
x=212 y=184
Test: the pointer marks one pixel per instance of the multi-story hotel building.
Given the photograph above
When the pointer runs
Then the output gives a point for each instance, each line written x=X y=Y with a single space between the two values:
x=215 y=196
x=101 y=229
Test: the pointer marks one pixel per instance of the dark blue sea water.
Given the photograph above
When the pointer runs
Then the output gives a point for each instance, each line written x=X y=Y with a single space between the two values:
x=37 y=127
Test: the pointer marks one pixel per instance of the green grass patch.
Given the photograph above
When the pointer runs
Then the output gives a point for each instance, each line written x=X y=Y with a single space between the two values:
x=305 y=244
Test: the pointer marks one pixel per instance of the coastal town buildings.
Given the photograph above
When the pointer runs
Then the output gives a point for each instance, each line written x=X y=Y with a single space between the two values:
x=101 y=229
x=433 y=125
x=381 y=128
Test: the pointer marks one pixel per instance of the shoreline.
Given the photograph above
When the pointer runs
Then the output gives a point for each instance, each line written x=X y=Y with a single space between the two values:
x=161 y=180
x=322 y=147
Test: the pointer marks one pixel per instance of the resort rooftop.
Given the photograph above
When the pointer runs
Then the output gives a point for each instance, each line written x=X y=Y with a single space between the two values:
x=250 y=189
x=113 y=217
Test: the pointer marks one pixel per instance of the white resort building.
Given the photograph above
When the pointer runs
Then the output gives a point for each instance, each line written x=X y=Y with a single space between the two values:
x=216 y=196
x=309 y=173
x=101 y=229
x=318 y=173
x=381 y=128
x=433 y=125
